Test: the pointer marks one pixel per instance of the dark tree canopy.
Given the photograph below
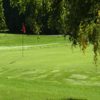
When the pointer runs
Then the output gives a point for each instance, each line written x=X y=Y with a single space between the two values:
x=84 y=23
x=40 y=16
x=2 y=18
x=13 y=18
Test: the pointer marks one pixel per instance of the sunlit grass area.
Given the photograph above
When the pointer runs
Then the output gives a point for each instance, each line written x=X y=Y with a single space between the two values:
x=17 y=39
x=46 y=72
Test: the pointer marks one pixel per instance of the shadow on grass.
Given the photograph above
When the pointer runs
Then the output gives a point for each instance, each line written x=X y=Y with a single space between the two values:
x=73 y=99
x=69 y=99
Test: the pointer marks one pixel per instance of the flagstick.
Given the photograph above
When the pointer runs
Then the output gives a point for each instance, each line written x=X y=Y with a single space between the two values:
x=24 y=31
x=22 y=45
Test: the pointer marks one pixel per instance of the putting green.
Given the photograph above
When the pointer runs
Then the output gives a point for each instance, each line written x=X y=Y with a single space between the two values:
x=48 y=72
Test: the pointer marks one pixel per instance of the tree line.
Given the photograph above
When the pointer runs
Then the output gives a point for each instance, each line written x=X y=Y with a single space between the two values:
x=48 y=16
x=39 y=16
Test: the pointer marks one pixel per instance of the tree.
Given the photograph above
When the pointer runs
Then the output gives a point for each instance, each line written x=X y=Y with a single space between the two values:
x=2 y=18
x=12 y=17
x=31 y=11
x=84 y=22
x=55 y=16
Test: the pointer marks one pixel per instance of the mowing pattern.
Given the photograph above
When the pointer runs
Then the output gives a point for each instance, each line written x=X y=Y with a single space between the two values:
x=48 y=72
x=56 y=76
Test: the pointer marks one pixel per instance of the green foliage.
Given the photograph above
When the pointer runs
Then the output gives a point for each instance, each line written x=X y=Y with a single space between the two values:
x=2 y=18
x=48 y=16
x=82 y=22
x=12 y=17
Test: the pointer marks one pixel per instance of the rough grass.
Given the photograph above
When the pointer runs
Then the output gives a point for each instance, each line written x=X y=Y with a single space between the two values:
x=52 y=72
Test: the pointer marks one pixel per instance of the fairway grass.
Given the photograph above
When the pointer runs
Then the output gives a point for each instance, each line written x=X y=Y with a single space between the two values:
x=17 y=40
x=48 y=72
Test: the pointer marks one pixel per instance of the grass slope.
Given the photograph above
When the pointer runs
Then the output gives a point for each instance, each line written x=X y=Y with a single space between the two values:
x=52 y=72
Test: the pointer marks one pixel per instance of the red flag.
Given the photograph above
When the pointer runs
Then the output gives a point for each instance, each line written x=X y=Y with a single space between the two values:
x=23 y=28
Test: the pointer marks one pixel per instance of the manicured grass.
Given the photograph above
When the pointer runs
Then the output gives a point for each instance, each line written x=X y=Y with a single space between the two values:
x=13 y=39
x=51 y=72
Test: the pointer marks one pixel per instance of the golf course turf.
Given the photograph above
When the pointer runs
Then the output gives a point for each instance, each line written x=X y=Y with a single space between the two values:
x=46 y=69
